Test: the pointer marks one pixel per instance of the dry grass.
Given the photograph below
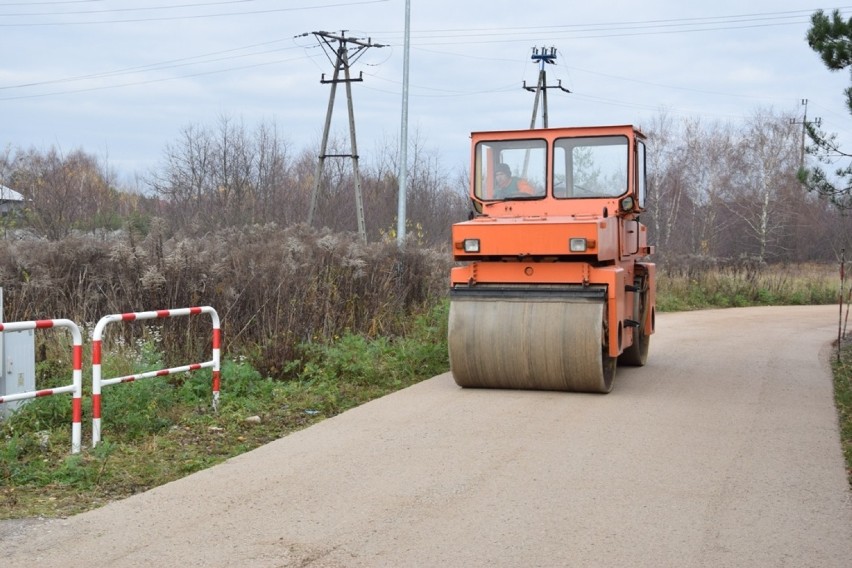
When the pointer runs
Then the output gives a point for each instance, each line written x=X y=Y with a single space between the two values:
x=273 y=287
x=696 y=287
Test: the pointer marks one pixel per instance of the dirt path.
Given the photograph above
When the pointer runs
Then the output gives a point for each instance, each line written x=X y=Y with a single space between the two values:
x=723 y=451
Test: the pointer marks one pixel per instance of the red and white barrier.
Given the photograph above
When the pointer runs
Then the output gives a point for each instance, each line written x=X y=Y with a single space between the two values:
x=97 y=337
x=76 y=386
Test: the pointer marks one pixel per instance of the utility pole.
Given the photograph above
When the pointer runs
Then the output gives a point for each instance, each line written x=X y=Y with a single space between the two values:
x=804 y=123
x=542 y=56
x=403 y=137
x=346 y=51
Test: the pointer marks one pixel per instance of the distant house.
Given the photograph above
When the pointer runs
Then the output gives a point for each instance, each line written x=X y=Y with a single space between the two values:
x=10 y=200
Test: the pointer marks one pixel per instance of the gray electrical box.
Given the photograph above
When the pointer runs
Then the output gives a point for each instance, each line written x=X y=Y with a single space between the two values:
x=17 y=363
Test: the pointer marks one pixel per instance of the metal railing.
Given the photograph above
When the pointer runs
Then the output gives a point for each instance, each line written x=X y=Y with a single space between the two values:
x=97 y=337
x=76 y=386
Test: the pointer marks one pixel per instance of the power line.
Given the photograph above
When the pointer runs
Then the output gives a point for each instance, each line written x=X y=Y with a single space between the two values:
x=169 y=64
x=589 y=34
x=443 y=92
x=449 y=33
x=799 y=16
x=150 y=81
x=431 y=91
x=196 y=16
x=142 y=9
x=653 y=84
x=46 y=3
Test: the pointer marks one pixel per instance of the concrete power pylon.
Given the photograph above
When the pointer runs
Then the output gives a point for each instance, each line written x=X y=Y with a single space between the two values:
x=342 y=51
x=542 y=56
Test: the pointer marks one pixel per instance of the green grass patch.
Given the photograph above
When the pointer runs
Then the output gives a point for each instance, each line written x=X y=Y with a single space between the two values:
x=842 y=367
x=160 y=429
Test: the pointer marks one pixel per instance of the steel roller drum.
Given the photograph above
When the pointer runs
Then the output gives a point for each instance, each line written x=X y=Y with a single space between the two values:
x=529 y=343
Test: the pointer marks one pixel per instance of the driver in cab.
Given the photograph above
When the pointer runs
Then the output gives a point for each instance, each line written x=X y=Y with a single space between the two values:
x=508 y=185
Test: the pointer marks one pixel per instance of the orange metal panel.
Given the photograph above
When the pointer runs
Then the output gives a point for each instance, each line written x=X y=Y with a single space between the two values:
x=553 y=133
x=526 y=236
x=520 y=273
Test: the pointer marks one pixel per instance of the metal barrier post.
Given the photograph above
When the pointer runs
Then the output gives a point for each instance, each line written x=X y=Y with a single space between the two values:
x=76 y=386
x=97 y=337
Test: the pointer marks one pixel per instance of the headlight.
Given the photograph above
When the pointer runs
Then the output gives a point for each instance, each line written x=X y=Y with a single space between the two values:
x=577 y=245
x=471 y=245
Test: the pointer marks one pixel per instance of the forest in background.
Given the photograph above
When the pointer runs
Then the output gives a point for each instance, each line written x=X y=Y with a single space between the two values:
x=221 y=222
x=719 y=191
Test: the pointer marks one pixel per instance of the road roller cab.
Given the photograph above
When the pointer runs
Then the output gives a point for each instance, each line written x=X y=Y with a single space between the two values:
x=549 y=292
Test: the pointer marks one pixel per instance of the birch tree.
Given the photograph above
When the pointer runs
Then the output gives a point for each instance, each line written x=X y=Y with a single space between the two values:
x=768 y=155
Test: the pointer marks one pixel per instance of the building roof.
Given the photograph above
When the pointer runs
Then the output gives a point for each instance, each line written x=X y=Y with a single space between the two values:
x=8 y=194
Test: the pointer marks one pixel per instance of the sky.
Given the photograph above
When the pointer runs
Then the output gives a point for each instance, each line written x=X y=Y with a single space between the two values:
x=121 y=79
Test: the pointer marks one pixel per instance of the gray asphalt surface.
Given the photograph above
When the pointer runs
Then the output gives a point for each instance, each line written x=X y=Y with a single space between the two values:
x=722 y=451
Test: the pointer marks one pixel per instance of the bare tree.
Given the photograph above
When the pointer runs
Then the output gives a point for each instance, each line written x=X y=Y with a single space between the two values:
x=185 y=178
x=6 y=159
x=434 y=201
x=760 y=197
x=271 y=198
x=63 y=192
x=665 y=165
x=709 y=168
x=227 y=175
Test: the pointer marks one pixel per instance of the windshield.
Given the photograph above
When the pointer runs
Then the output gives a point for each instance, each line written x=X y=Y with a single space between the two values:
x=511 y=170
x=590 y=167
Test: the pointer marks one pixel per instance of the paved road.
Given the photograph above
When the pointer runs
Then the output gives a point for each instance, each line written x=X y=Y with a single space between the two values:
x=722 y=451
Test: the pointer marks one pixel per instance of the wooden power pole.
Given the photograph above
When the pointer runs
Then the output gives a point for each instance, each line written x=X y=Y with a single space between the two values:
x=804 y=123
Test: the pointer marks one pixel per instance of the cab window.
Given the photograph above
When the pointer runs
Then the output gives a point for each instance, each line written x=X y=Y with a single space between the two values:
x=510 y=170
x=594 y=166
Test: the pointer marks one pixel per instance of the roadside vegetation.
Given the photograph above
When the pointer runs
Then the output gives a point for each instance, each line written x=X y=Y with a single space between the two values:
x=738 y=285
x=316 y=321
x=158 y=430
x=842 y=367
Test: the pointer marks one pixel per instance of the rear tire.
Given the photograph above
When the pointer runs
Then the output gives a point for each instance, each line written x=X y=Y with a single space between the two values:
x=637 y=354
x=609 y=365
